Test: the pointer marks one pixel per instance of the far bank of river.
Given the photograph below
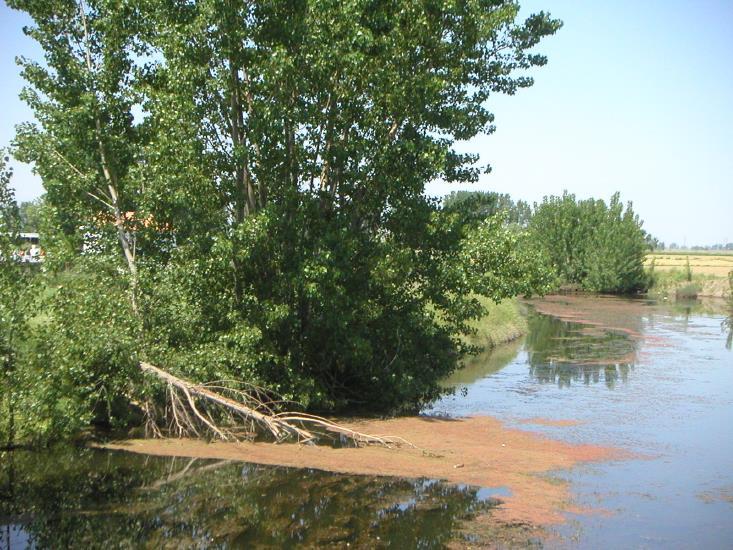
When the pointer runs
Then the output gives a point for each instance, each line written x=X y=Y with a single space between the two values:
x=608 y=425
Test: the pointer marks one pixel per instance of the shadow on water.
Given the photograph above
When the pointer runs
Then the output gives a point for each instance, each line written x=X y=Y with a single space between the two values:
x=563 y=353
x=73 y=497
x=484 y=364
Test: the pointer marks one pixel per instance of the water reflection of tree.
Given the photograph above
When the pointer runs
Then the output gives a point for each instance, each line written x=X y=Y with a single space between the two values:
x=564 y=353
x=688 y=309
x=75 y=498
x=566 y=375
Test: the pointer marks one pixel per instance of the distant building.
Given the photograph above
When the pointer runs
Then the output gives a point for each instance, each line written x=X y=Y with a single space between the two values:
x=30 y=238
x=30 y=251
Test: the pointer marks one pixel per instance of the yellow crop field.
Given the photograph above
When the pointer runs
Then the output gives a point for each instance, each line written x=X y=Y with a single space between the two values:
x=718 y=265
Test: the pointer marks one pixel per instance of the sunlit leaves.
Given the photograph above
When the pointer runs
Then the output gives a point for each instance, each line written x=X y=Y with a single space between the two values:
x=599 y=246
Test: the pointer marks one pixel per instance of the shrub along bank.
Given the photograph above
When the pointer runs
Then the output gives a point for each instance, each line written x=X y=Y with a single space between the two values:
x=600 y=247
x=680 y=283
x=589 y=244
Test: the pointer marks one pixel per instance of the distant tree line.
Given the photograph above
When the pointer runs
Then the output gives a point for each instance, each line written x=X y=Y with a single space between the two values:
x=596 y=245
x=30 y=215
x=717 y=246
x=476 y=206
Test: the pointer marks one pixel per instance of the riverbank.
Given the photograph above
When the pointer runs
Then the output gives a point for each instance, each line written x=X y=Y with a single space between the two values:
x=478 y=451
x=648 y=376
x=674 y=284
x=646 y=382
x=688 y=275
x=503 y=322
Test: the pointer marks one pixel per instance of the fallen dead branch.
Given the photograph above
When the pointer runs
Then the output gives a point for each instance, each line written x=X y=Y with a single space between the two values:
x=189 y=403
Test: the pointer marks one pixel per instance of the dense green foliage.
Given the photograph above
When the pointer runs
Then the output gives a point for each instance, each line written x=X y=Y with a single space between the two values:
x=236 y=191
x=599 y=246
x=15 y=305
x=31 y=215
x=476 y=206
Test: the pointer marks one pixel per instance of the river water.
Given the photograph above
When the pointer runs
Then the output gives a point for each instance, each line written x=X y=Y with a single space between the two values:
x=667 y=396
x=654 y=380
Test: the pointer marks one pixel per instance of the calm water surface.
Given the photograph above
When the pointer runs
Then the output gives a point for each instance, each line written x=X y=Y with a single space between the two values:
x=667 y=396
x=86 y=498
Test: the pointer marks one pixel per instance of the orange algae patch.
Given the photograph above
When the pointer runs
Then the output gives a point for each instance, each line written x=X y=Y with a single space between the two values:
x=602 y=312
x=477 y=451
x=722 y=494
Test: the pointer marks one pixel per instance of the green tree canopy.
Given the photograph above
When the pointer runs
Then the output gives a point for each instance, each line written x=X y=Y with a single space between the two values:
x=13 y=312
x=599 y=246
x=476 y=206
x=261 y=167
x=31 y=215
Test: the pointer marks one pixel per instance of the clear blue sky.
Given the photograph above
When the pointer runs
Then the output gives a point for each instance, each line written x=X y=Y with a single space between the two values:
x=637 y=97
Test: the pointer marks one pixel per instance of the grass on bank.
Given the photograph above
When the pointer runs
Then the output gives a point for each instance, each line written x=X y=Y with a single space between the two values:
x=503 y=322
x=686 y=283
x=498 y=333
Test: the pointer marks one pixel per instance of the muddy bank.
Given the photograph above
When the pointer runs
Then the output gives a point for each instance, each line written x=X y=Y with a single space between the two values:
x=478 y=451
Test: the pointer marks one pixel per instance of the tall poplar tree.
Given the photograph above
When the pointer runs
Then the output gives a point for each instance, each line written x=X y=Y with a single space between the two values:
x=258 y=170
x=318 y=124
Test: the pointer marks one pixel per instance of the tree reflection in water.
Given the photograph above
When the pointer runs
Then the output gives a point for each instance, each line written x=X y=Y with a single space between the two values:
x=75 y=497
x=563 y=353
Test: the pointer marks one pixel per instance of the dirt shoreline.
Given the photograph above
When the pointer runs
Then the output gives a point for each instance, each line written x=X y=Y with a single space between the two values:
x=479 y=451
